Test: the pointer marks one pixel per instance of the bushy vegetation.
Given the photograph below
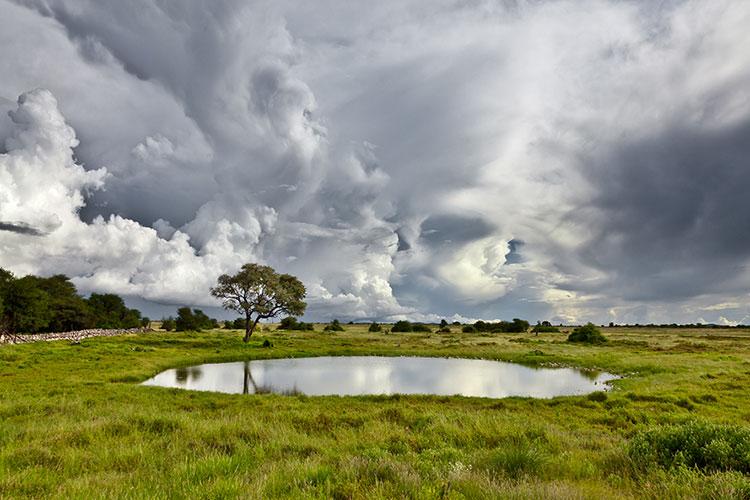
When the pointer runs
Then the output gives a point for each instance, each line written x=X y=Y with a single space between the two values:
x=32 y=304
x=545 y=327
x=701 y=445
x=333 y=326
x=515 y=326
x=291 y=323
x=420 y=328
x=193 y=320
x=468 y=329
x=168 y=324
x=374 y=327
x=587 y=334
x=402 y=327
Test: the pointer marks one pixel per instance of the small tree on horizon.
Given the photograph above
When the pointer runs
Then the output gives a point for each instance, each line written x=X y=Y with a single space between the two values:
x=259 y=292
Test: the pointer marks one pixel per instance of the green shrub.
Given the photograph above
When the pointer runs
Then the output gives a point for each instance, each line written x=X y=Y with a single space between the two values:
x=402 y=326
x=419 y=327
x=291 y=323
x=699 y=445
x=468 y=329
x=587 y=334
x=334 y=326
x=168 y=324
x=374 y=327
x=542 y=328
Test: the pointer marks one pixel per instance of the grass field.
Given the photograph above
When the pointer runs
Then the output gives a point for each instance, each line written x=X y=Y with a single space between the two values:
x=74 y=423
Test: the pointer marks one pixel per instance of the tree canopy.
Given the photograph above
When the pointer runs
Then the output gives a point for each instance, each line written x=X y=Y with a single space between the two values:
x=259 y=292
x=33 y=304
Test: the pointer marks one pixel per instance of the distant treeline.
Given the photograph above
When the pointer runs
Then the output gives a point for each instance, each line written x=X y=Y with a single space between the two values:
x=35 y=305
x=675 y=325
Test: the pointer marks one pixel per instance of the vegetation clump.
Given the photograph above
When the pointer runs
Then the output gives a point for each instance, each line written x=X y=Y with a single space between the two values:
x=587 y=334
x=334 y=326
x=515 y=326
x=402 y=327
x=32 y=304
x=374 y=327
x=291 y=323
x=193 y=320
x=168 y=324
x=699 y=445
x=544 y=327
x=420 y=327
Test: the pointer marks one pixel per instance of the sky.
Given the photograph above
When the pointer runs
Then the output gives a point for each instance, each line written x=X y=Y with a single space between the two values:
x=570 y=161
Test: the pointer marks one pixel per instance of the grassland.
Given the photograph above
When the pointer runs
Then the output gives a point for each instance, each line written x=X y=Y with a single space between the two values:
x=74 y=423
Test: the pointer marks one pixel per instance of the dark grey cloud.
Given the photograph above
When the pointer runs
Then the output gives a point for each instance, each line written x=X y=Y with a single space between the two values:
x=20 y=228
x=672 y=213
x=454 y=229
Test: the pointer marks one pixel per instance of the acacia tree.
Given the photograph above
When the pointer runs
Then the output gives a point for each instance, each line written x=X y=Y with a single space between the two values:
x=259 y=292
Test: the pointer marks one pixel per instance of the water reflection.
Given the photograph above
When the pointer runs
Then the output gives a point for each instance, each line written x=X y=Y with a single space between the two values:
x=359 y=375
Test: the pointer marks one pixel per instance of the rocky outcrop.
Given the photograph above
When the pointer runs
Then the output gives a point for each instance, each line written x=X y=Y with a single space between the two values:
x=76 y=336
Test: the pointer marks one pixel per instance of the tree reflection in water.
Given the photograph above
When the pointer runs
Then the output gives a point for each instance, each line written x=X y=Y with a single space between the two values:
x=250 y=387
x=183 y=375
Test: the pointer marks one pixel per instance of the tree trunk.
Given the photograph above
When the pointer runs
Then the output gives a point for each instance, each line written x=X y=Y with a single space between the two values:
x=249 y=327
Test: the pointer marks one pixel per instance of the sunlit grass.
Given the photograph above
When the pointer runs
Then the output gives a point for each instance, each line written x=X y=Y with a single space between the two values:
x=75 y=423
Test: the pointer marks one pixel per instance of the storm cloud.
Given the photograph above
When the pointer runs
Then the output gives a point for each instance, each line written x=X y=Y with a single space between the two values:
x=563 y=160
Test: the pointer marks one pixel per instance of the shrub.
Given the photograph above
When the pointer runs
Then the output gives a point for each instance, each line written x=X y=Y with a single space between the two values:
x=419 y=327
x=444 y=329
x=374 y=327
x=334 y=326
x=515 y=326
x=699 y=445
x=545 y=327
x=468 y=329
x=291 y=323
x=588 y=334
x=402 y=326
x=168 y=324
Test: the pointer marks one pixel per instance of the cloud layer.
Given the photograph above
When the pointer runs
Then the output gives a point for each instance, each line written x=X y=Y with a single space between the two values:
x=562 y=160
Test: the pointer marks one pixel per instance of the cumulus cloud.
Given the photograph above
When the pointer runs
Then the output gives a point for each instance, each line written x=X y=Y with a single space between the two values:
x=569 y=160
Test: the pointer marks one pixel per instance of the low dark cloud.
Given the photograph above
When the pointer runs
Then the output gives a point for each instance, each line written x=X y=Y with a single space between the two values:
x=20 y=228
x=672 y=213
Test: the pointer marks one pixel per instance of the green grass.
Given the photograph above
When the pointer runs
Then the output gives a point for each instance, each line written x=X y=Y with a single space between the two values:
x=74 y=423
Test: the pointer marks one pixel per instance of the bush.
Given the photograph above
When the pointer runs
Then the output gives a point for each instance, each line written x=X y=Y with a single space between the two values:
x=374 y=327
x=444 y=329
x=699 y=445
x=419 y=327
x=545 y=327
x=515 y=326
x=402 y=326
x=587 y=334
x=168 y=324
x=291 y=323
x=334 y=326
x=468 y=329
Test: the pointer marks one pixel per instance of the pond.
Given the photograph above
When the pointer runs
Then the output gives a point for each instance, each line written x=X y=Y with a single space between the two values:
x=362 y=375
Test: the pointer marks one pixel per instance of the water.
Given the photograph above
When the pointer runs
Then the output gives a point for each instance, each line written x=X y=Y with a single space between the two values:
x=359 y=375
